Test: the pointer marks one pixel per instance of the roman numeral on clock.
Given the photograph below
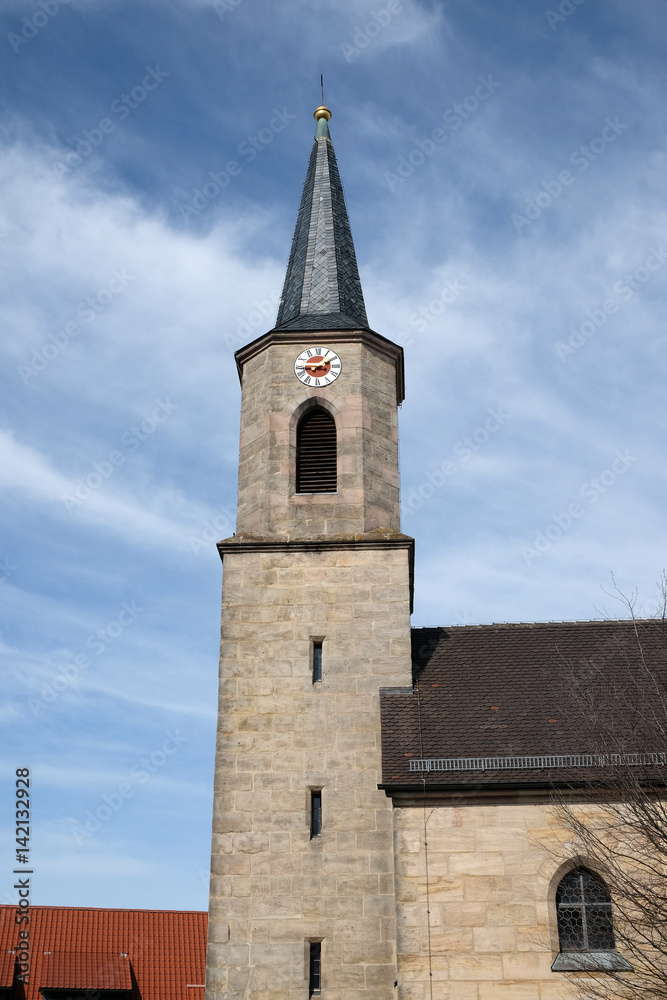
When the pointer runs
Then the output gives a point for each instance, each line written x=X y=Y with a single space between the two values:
x=317 y=366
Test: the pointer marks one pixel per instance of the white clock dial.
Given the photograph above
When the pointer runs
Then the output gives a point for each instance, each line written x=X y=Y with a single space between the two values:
x=317 y=366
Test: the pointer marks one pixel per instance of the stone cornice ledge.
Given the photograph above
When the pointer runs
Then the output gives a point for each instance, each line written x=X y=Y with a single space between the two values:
x=365 y=336
x=493 y=793
x=371 y=540
x=519 y=793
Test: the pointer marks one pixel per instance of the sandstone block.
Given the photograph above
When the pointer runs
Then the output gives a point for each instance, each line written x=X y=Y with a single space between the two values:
x=496 y=939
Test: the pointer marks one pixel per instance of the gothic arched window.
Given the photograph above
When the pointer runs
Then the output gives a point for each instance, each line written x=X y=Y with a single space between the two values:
x=583 y=907
x=585 y=925
x=316 y=452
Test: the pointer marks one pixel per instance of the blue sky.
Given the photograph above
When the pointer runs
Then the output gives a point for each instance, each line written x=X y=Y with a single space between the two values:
x=505 y=171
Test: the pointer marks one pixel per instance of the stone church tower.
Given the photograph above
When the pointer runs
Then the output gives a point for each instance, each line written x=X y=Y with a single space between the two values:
x=384 y=823
x=315 y=621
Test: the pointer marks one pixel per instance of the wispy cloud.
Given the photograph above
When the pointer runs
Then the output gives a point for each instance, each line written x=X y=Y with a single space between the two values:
x=33 y=478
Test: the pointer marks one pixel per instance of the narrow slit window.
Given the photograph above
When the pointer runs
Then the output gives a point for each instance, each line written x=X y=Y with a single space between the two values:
x=317 y=661
x=315 y=812
x=316 y=453
x=314 y=978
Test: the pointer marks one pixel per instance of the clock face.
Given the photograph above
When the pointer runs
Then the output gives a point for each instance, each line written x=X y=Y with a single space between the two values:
x=317 y=366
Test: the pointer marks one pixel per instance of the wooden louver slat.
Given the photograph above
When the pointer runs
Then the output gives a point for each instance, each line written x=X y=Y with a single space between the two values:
x=316 y=470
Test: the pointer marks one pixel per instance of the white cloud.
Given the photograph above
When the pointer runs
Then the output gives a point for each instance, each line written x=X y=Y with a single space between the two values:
x=29 y=474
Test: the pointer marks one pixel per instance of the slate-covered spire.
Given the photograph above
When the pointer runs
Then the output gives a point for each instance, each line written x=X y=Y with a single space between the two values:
x=322 y=289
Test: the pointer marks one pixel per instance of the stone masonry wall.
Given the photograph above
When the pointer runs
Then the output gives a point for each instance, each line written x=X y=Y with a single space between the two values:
x=493 y=920
x=273 y=888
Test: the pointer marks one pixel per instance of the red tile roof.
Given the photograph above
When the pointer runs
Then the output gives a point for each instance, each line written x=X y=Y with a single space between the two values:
x=157 y=954
x=87 y=971
x=6 y=969
x=514 y=690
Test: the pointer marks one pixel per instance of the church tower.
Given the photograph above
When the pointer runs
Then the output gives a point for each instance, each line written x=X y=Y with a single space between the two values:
x=315 y=621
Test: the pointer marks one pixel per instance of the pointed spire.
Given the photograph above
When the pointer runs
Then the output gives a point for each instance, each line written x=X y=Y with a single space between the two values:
x=322 y=290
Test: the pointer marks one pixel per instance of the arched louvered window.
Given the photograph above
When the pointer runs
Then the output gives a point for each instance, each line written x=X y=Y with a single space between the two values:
x=316 y=465
x=583 y=906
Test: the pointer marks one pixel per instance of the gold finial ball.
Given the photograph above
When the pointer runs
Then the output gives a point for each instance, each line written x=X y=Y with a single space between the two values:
x=321 y=112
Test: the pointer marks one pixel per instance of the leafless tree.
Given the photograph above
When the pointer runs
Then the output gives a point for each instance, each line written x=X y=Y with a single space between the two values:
x=619 y=816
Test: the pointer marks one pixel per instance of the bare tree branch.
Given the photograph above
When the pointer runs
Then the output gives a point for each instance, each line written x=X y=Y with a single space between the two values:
x=619 y=819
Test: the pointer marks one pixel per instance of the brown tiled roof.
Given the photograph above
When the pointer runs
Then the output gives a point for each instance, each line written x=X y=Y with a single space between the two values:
x=157 y=954
x=507 y=691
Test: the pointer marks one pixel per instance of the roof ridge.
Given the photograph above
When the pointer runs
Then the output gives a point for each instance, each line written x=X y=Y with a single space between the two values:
x=99 y=909
x=564 y=621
